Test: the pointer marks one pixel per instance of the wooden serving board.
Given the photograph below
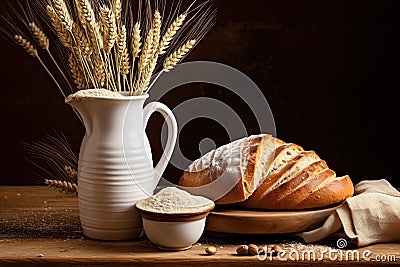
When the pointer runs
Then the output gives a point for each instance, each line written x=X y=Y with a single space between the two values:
x=233 y=221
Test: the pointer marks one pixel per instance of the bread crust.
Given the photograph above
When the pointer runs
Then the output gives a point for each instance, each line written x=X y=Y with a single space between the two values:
x=245 y=185
x=294 y=178
x=260 y=200
x=335 y=192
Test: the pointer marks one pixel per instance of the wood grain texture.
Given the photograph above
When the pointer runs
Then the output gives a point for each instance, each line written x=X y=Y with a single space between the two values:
x=40 y=226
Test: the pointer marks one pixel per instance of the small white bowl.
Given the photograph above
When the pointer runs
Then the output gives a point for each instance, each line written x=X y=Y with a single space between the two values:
x=173 y=231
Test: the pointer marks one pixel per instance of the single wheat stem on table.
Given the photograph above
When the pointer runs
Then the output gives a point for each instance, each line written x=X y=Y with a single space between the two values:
x=62 y=186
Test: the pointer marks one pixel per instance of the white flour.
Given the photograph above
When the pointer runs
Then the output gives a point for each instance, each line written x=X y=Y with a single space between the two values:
x=89 y=93
x=172 y=200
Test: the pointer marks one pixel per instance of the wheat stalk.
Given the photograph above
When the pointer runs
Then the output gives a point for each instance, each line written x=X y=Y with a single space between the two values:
x=77 y=73
x=62 y=186
x=81 y=40
x=39 y=35
x=63 y=14
x=29 y=48
x=110 y=28
x=172 y=60
x=156 y=31
x=122 y=52
x=86 y=13
x=117 y=8
x=102 y=53
x=170 y=33
x=136 y=40
x=72 y=173
x=63 y=34
x=99 y=72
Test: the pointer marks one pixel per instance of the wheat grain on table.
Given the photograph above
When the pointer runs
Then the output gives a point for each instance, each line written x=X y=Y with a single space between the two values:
x=41 y=226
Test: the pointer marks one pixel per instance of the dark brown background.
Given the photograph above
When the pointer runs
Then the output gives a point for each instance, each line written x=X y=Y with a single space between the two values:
x=329 y=70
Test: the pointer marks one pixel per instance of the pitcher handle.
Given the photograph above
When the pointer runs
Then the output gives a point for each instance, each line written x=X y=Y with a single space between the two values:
x=172 y=134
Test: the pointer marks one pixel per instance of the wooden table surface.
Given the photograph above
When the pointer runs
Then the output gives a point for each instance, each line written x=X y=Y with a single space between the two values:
x=41 y=226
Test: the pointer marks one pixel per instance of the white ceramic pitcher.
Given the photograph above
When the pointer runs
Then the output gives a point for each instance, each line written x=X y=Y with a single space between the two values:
x=115 y=166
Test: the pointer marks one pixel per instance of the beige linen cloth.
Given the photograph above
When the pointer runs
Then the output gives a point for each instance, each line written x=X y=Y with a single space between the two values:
x=372 y=215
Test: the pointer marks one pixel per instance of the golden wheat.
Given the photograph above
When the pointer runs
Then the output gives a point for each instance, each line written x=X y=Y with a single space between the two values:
x=122 y=52
x=73 y=174
x=86 y=13
x=63 y=14
x=99 y=72
x=102 y=53
x=62 y=186
x=39 y=35
x=110 y=28
x=81 y=41
x=117 y=8
x=30 y=49
x=170 y=33
x=136 y=40
x=156 y=31
x=63 y=34
x=172 y=60
x=76 y=72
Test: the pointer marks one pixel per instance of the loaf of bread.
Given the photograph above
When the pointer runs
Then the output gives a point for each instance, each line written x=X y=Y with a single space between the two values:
x=269 y=174
x=242 y=164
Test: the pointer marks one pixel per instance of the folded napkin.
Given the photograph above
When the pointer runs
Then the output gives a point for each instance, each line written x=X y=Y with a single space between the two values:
x=372 y=215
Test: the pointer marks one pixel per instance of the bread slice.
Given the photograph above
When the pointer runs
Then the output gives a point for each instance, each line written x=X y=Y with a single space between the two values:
x=331 y=191
x=283 y=155
x=291 y=170
x=274 y=198
x=244 y=162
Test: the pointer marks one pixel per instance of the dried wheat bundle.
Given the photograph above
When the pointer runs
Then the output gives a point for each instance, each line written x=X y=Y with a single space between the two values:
x=108 y=45
x=54 y=157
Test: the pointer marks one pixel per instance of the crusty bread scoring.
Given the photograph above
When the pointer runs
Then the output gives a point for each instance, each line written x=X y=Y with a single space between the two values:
x=254 y=160
x=273 y=175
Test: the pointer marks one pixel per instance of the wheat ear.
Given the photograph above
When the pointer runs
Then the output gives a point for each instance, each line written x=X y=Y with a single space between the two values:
x=172 y=60
x=81 y=41
x=156 y=31
x=85 y=12
x=63 y=14
x=72 y=174
x=77 y=74
x=63 y=34
x=30 y=49
x=135 y=50
x=117 y=8
x=170 y=33
x=43 y=42
x=39 y=35
x=122 y=52
x=136 y=40
x=62 y=186
x=99 y=72
x=110 y=28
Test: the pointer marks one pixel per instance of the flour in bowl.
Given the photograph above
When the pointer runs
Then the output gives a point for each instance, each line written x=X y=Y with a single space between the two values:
x=172 y=200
